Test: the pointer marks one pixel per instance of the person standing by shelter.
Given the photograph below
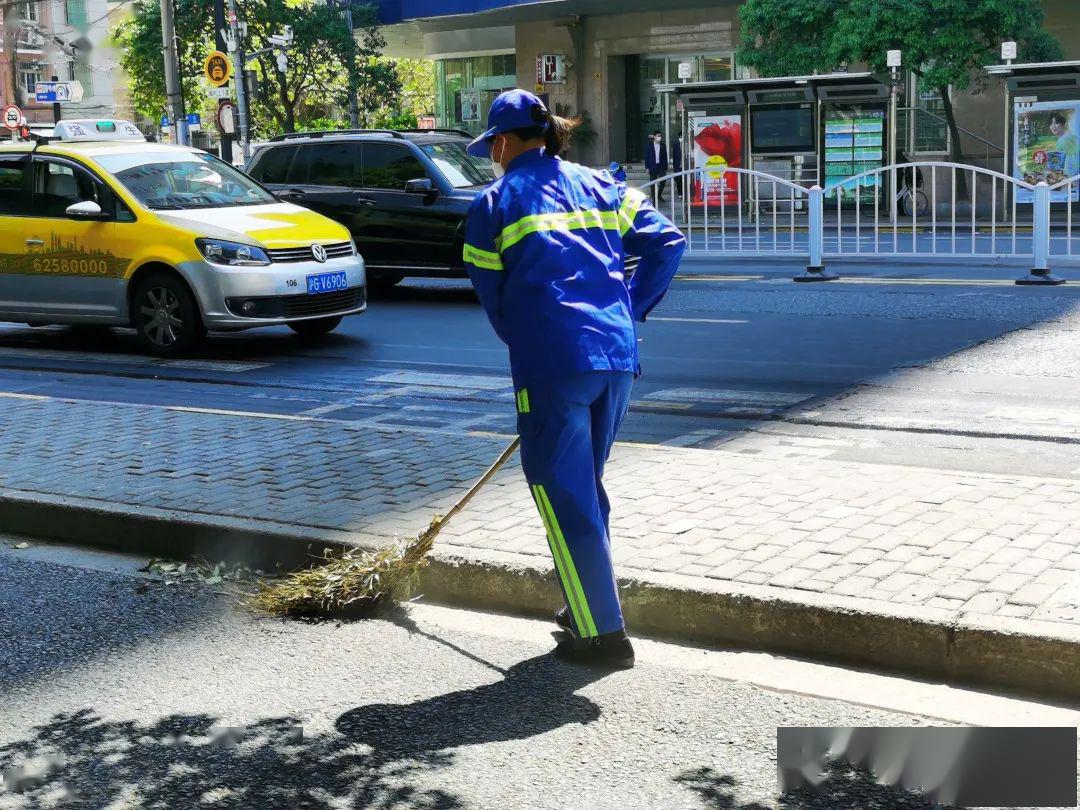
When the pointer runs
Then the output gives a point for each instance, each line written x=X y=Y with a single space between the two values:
x=656 y=162
x=545 y=246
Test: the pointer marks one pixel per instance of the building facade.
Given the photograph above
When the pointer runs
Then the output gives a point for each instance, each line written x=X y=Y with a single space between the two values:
x=613 y=55
x=68 y=39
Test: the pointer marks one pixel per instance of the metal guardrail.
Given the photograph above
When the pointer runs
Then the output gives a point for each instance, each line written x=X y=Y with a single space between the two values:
x=952 y=210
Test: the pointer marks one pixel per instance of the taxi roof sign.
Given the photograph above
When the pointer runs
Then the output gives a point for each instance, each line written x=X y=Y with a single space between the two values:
x=90 y=130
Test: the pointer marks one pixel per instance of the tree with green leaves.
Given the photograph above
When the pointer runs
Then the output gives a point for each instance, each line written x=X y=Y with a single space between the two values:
x=315 y=84
x=944 y=42
x=139 y=40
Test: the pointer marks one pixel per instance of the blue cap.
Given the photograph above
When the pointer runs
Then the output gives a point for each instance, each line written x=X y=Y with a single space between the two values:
x=514 y=109
x=614 y=166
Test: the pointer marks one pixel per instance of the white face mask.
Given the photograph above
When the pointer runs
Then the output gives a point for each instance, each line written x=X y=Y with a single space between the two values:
x=496 y=164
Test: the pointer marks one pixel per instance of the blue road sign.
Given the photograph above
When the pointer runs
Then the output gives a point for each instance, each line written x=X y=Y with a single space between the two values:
x=194 y=118
x=164 y=120
x=45 y=92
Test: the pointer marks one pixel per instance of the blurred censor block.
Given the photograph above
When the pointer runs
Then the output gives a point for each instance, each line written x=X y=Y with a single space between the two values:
x=1030 y=767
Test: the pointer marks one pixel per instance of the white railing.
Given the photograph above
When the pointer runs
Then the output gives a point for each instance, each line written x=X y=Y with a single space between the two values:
x=953 y=210
x=750 y=223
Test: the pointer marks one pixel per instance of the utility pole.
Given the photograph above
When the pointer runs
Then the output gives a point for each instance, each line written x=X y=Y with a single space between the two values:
x=56 y=104
x=220 y=43
x=172 y=73
x=236 y=49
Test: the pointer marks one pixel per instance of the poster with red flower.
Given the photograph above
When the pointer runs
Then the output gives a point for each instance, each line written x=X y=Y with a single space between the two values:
x=717 y=146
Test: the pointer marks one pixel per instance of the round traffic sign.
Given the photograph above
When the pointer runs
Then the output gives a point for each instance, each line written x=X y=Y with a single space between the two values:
x=225 y=119
x=12 y=116
x=217 y=68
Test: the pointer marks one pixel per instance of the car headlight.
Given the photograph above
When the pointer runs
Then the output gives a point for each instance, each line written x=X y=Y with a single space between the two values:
x=232 y=254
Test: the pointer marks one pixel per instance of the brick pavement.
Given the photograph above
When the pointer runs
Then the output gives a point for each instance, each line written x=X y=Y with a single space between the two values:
x=977 y=544
x=980 y=545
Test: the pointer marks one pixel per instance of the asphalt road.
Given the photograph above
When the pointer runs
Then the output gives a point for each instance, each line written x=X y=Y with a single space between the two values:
x=925 y=372
x=120 y=691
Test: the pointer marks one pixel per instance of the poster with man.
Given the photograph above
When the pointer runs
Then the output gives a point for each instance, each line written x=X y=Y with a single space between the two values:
x=717 y=146
x=470 y=104
x=1047 y=146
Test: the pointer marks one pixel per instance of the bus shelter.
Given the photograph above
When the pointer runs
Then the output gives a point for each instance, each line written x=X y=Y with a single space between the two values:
x=808 y=130
x=1042 y=126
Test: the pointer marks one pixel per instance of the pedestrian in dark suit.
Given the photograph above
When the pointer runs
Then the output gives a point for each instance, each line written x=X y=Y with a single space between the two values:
x=656 y=162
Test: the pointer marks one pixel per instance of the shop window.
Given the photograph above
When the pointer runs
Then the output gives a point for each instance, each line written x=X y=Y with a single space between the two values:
x=717 y=68
x=28 y=11
x=479 y=79
x=75 y=13
x=79 y=71
x=927 y=129
x=31 y=75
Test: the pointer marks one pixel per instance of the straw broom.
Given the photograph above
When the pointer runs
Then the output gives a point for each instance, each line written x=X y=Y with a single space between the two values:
x=356 y=582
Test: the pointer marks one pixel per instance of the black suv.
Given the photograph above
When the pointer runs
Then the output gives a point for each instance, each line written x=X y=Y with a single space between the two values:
x=403 y=194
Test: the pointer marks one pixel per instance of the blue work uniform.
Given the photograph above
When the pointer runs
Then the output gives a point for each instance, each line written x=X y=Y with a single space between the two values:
x=545 y=248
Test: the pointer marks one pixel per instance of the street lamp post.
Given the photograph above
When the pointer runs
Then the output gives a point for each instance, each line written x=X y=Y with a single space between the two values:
x=893 y=60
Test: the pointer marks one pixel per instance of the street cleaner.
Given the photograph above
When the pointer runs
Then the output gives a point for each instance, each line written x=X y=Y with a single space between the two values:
x=545 y=246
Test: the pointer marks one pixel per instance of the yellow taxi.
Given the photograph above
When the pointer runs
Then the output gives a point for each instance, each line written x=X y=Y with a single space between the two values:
x=98 y=226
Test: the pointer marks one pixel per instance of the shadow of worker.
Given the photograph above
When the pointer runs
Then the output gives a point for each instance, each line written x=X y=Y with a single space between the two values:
x=534 y=697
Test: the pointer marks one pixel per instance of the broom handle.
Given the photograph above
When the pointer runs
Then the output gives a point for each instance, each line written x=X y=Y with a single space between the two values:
x=494 y=468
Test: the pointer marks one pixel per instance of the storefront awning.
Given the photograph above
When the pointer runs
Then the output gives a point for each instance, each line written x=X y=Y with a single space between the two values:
x=468 y=14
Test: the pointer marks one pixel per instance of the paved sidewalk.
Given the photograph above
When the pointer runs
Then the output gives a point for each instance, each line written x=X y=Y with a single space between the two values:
x=900 y=544
x=983 y=545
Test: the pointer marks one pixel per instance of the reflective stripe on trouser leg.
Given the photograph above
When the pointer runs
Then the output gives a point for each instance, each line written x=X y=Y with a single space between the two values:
x=564 y=565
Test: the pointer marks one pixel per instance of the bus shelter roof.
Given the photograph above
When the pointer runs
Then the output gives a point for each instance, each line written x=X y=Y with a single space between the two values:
x=770 y=83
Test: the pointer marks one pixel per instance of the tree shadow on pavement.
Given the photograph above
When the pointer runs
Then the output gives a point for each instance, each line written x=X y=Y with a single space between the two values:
x=381 y=756
x=185 y=761
x=843 y=787
x=716 y=790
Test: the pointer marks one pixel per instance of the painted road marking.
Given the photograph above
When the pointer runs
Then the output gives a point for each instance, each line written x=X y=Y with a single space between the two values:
x=861 y=280
x=458 y=381
x=768 y=399
x=698 y=320
x=130 y=359
x=213 y=365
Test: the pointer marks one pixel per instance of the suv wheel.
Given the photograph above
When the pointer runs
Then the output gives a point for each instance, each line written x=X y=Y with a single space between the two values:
x=315 y=328
x=165 y=316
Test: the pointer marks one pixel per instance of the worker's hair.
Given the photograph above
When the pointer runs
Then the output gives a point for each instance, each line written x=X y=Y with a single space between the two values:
x=557 y=135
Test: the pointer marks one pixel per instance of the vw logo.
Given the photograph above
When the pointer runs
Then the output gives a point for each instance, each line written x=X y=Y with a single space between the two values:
x=319 y=252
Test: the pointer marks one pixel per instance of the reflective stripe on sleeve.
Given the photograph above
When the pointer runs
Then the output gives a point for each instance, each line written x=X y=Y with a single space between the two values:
x=484 y=259
x=632 y=202
x=556 y=221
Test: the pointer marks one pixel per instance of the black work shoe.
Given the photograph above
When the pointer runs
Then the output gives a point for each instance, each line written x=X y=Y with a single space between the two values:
x=562 y=618
x=612 y=650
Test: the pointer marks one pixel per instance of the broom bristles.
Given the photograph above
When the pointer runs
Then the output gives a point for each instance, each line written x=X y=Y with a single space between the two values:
x=353 y=581
x=357 y=580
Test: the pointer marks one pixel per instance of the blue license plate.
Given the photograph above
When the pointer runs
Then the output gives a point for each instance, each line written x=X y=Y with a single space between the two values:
x=327 y=282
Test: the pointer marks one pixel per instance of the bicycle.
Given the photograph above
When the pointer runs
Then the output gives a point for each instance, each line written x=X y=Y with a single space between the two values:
x=910 y=199
x=904 y=201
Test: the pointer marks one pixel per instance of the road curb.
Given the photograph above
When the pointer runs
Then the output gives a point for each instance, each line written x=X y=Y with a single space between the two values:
x=1034 y=657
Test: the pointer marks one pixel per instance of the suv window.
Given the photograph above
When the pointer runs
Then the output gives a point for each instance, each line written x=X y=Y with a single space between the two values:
x=333 y=164
x=390 y=166
x=274 y=165
x=13 y=200
x=298 y=171
x=58 y=185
